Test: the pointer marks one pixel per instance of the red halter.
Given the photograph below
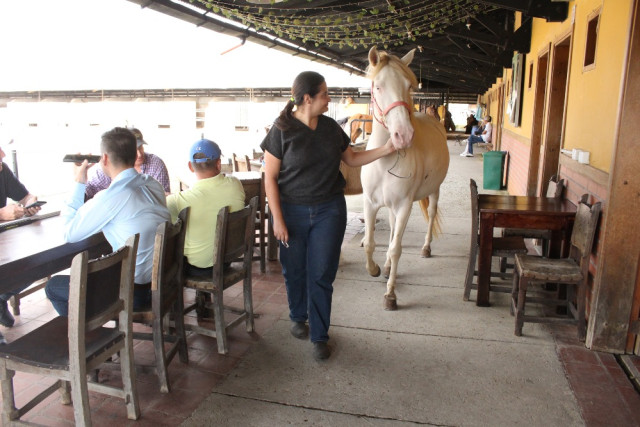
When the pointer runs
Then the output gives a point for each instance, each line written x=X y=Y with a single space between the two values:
x=384 y=113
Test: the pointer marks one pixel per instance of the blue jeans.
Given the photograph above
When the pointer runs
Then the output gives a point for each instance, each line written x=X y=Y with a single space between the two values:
x=472 y=140
x=310 y=263
x=57 y=290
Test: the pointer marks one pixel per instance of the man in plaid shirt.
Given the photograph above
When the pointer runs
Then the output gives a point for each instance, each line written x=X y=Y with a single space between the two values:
x=146 y=163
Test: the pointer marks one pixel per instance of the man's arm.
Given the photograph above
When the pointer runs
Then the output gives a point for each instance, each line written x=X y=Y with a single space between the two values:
x=81 y=219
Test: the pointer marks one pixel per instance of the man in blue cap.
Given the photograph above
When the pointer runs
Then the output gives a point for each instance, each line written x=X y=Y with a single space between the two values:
x=211 y=192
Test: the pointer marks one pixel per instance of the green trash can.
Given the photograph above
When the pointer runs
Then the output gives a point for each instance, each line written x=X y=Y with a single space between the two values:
x=493 y=169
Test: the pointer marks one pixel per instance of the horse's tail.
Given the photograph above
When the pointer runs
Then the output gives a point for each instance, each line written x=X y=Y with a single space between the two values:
x=437 y=226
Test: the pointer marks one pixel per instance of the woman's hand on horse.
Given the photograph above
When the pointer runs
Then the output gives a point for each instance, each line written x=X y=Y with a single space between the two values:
x=389 y=147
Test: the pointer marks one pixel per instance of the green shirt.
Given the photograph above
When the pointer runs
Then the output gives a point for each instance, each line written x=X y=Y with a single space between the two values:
x=206 y=197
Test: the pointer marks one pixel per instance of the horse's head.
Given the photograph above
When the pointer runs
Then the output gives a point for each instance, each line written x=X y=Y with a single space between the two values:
x=392 y=81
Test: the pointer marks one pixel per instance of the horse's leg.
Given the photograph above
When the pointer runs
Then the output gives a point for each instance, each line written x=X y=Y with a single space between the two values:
x=369 y=243
x=432 y=211
x=395 y=250
x=387 y=262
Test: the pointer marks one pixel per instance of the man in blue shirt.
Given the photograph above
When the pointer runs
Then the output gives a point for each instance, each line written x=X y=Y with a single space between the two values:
x=133 y=203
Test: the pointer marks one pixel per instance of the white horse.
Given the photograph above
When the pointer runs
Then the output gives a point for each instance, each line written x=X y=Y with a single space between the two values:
x=414 y=172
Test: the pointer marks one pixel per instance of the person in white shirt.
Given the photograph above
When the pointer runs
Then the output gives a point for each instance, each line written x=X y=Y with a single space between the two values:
x=133 y=203
x=484 y=137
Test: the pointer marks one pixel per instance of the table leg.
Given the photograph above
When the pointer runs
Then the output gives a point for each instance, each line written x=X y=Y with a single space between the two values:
x=484 y=258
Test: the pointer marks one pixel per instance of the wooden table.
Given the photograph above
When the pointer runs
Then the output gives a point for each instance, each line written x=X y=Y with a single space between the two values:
x=519 y=212
x=33 y=251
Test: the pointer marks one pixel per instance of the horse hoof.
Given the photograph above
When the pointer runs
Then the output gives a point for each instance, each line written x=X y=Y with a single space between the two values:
x=390 y=304
x=426 y=253
x=387 y=272
x=377 y=272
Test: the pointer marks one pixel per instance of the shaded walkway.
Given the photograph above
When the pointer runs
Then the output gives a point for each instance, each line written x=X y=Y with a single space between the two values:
x=435 y=361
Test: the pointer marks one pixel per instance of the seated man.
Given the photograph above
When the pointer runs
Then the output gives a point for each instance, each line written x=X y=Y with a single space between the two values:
x=146 y=163
x=206 y=197
x=484 y=137
x=133 y=203
x=12 y=188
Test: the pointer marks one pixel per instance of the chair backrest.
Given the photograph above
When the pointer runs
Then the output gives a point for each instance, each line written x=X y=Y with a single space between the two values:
x=475 y=215
x=101 y=290
x=168 y=261
x=241 y=163
x=555 y=187
x=584 y=230
x=234 y=238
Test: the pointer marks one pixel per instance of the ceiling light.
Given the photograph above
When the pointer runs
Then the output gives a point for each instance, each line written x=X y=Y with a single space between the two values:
x=468 y=24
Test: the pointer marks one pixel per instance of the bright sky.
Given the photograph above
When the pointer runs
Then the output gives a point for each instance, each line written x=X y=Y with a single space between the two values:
x=115 y=44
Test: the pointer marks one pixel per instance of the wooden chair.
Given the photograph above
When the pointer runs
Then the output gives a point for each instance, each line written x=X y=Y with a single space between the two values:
x=234 y=240
x=255 y=188
x=502 y=247
x=68 y=348
x=573 y=271
x=241 y=163
x=166 y=298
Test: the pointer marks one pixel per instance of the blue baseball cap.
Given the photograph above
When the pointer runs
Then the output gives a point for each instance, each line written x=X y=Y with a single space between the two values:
x=209 y=148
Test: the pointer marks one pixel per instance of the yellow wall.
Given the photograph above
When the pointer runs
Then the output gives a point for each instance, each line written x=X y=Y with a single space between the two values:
x=592 y=95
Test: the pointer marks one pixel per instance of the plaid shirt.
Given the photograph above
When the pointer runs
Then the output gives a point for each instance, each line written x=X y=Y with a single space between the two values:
x=152 y=166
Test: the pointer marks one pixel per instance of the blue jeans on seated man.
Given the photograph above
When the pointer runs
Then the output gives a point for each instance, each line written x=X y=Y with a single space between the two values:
x=57 y=290
x=473 y=139
x=310 y=262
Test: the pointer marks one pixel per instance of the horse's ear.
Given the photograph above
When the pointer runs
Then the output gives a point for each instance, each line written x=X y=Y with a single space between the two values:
x=374 y=58
x=405 y=59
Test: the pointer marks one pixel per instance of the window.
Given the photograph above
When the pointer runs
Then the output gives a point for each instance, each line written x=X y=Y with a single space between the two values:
x=592 y=38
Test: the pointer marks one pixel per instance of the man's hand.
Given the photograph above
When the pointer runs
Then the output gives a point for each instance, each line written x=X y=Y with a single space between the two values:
x=26 y=202
x=81 y=171
x=12 y=211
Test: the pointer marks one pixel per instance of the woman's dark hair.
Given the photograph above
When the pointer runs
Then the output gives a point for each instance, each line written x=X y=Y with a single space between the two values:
x=307 y=82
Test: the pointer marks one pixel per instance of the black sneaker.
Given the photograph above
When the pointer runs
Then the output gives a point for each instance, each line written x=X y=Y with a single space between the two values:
x=6 y=319
x=321 y=350
x=2 y=339
x=299 y=330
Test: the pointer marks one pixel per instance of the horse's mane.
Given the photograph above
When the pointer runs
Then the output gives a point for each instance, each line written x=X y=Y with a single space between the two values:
x=395 y=62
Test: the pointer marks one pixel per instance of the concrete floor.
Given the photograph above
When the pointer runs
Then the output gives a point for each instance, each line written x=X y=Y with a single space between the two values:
x=435 y=361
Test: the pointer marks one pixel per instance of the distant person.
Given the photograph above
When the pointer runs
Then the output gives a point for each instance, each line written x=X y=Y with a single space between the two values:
x=211 y=192
x=146 y=163
x=471 y=122
x=449 y=126
x=484 y=137
x=433 y=112
x=133 y=203
x=11 y=188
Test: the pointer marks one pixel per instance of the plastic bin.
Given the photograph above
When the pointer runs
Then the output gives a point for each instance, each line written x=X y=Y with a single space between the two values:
x=493 y=169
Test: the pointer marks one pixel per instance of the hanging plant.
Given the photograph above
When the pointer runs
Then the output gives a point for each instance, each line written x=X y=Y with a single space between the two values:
x=356 y=24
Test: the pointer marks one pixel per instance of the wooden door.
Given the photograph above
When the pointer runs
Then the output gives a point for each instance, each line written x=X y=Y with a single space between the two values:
x=556 y=113
x=538 y=123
